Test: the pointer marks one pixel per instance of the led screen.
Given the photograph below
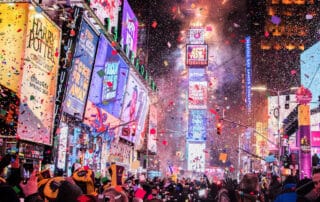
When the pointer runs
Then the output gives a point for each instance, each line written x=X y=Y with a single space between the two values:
x=196 y=36
x=197 y=74
x=82 y=64
x=109 y=79
x=197 y=130
x=196 y=157
x=107 y=10
x=310 y=72
x=152 y=135
x=135 y=107
x=129 y=30
x=248 y=73
x=197 y=55
x=198 y=95
x=39 y=78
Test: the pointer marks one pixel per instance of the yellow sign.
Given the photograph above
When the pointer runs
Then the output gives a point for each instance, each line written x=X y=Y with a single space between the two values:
x=304 y=115
x=13 y=29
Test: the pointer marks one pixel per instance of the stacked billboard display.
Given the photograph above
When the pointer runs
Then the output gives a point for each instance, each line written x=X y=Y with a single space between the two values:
x=30 y=67
x=82 y=64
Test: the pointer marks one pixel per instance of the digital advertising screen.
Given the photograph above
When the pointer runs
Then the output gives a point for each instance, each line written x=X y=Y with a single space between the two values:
x=310 y=72
x=14 y=17
x=248 y=72
x=109 y=77
x=197 y=128
x=129 y=30
x=315 y=139
x=153 y=123
x=197 y=74
x=196 y=36
x=135 y=108
x=198 y=95
x=39 y=78
x=197 y=55
x=196 y=157
x=62 y=147
x=107 y=10
x=79 y=77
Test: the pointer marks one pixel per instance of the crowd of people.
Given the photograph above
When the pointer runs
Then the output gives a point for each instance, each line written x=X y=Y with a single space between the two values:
x=84 y=186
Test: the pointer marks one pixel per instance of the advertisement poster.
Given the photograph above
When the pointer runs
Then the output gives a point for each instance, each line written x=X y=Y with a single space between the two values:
x=248 y=73
x=107 y=10
x=135 y=107
x=196 y=36
x=14 y=18
x=62 y=147
x=197 y=55
x=196 y=157
x=109 y=79
x=197 y=130
x=39 y=78
x=129 y=30
x=82 y=64
x=198 y=95
x=197 y=74
x=152 y=135
x=315 y=138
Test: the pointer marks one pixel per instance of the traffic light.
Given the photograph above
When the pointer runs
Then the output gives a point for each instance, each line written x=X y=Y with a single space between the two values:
x=287 y=104
x=133 y=129
x=47 y=155
x=219 y=126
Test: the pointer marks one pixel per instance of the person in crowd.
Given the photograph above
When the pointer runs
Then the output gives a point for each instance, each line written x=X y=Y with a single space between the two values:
x=314 y=194
x=249 y=189
x=274 y=188
x=7 y=193
x=304 y=186
x=227 y=191
x=288 y=192
x=84 y=178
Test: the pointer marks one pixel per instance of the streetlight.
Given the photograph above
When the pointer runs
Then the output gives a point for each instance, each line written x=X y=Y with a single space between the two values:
x=277 y=114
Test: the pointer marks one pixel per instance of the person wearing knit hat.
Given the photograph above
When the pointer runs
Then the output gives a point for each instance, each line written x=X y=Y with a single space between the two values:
x=84 y=178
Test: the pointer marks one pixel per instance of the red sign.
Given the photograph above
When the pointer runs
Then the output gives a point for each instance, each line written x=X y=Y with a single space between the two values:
x=197 y=55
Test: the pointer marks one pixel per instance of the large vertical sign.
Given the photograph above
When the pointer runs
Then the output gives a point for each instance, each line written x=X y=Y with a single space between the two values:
x=196 y=157
x=197 y=129
x=304 y=140
x=109 y=79
x=135 y=107
x=82 y=65
x=129 y=30
x=62 y=147
x=198 y=95
x=248 y=72
x=153 y=123
x=310 y=72
x=107 y=12
x=262 y=146
x=39 y=78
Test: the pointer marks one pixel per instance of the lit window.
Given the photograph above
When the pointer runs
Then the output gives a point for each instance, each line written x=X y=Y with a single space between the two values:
x=299 y=2
x=287 y=1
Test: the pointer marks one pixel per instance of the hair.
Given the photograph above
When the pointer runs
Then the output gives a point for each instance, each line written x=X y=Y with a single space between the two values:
x=249 y=183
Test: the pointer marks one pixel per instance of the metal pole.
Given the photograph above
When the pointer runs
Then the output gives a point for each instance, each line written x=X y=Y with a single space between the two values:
x=239 y=158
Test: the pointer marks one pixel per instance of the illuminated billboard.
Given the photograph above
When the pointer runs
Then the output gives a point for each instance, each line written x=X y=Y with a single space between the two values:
x=62 y=147
x=39 y=77
x=107 y=11
x=135 y=107
x=13 y=27
x=196 y=157
x=109 y=79
x=129 y=30
x=198 y=95
x=197 y=55
x=197 y=74
x=153 y=123
x=197 y=129
x=310 y=72
x=196 y=36
x=248 y=73
x=82 y=64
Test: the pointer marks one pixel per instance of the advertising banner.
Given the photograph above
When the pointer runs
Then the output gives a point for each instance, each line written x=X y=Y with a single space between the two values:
x=196 y=36
x=135 y=107
x=14 y=18
x=304 y=140
x=198 y=95
x=107 y=11
x=62 y=147
x=196 y=157
x=153 y=123
x=315 y=138
x=109 y=79
x=129 y=30
x=248 y=72
x=197 y=129
x=197 y=74
x=39 y=78
x=262 y=145
x=197 y=55
x=82 y=64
